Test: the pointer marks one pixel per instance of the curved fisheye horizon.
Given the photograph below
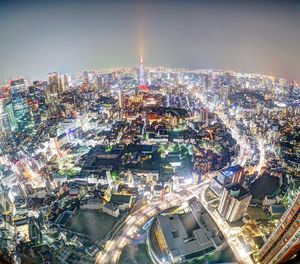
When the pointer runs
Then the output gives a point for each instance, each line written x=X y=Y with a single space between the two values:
x=245 y=36
x=149 y=132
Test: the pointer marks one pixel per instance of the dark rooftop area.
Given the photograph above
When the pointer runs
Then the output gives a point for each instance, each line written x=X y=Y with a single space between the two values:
x=264 y=185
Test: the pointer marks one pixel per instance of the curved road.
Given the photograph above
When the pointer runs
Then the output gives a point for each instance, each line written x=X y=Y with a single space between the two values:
x=133 y=222
x=131 y=225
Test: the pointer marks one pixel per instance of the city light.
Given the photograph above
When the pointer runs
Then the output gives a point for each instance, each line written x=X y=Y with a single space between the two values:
x=147 y=164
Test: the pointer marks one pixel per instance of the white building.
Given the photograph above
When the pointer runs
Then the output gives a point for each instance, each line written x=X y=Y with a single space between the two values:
x=234 y=202
x=111 y=209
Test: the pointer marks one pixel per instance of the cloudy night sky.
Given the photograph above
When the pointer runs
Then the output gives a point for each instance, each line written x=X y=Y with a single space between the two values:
x=71 y=35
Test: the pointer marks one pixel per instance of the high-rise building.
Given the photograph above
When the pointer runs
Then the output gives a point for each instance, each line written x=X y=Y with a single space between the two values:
x=120 y=98
x=233 y=174
x=203 y=114
x=234 y=202
x=35 y=234
x=18 y=86
x=53 y=91
x=85 y=76
x=5 y=131
x=4 y=123
x=21 y=111
x=284 y=242
x=206 y=82
x=64 y=82
x=291 y=86
x=9 y=110
x=6 y=203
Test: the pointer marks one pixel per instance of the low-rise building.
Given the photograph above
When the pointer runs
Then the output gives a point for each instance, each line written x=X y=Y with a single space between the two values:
x=92 y=204
x=122 y=201
x=190 y=235
x=111 y=209
x=277 y=210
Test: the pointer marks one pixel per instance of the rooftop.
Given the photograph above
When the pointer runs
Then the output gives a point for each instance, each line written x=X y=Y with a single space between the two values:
x=237 y=191
x=264 y=185
x=120 y=198
x=187 y=236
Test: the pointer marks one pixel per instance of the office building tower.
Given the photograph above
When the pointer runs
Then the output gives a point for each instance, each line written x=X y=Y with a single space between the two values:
x=6 y=200
x=18 y=86
x=284 y=243
x=85 y=76
x=120 y=98
x=9 y=110
x=64 y=82
x=203 y=114
x=60 y=86
x=4 y=123
x=234 y=202
x=5 y=131
x=206 y=82
x=34 y=231
x=21 y=111
x=53 y=89
x=291 y=87
x=233 y=174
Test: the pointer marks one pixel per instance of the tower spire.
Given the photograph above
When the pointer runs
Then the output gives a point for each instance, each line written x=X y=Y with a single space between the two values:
x=142 y=74
x=142 y=82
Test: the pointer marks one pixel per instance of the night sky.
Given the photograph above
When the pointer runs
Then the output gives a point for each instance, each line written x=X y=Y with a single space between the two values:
x=71 y=35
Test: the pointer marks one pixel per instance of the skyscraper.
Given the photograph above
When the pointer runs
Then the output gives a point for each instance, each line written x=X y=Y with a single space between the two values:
x=64 y=82
x=234 y=202
x=206 y=82
x=120 y=98
x=18 y=86
x=53 y=90
x=21 y=111
x=9 y=110
x=5 y=131
x=6 y=204
x=232 y=174
x=4 y=123
x=284 y=242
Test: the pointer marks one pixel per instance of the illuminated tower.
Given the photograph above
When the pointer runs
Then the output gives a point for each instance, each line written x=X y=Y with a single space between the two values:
x=142 y=72
x=284 y=242
x=142 y=84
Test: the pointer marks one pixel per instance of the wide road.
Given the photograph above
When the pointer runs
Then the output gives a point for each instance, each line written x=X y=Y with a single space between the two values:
x=131 y=225
x=135 y=221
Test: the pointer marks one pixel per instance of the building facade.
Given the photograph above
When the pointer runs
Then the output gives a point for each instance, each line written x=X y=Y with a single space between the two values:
x=284 y=242
x=234 y=202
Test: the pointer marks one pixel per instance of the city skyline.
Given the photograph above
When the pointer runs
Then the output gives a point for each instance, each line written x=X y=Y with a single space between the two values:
x=108 y=158
x=254 y=37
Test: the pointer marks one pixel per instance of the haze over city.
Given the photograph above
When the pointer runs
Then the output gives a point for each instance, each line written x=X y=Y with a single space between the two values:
x=249 y=36
x=149 y=132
